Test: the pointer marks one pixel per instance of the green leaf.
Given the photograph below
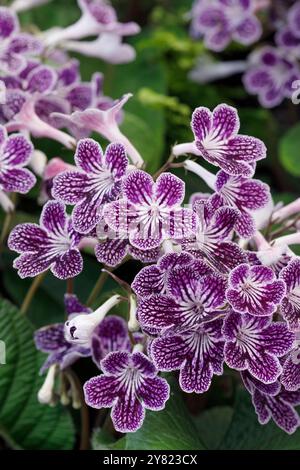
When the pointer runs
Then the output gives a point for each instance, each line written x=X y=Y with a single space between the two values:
x=24 y=423
x=289 y=150
x=212 y=425
x=243 y=431
x=169 y=429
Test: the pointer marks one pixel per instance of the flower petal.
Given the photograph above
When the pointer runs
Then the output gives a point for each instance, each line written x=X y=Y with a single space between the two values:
x=86 y=214
x=116 y=160
x=201 y=122
x=169 y=352
x=153 y=392
x=225 y=122
x=100 y=391
x=32 y=264
x=138 y=187
x=50 y=338
x=110 y=335
x=27 y=237
x=115 y=362
x=17 y=150
x=158 y=311
x=88 y=156
x=70 y=187
x=8 y=23
x=18 y=180
x=169 y=190
x=111 y=252
x=68 y=265
x=54 y=217
x=127 y=414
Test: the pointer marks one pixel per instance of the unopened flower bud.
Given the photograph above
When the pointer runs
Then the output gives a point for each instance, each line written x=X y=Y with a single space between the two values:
x=79 y=329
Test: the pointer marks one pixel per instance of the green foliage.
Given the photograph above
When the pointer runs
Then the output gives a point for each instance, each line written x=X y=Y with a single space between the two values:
x=24 y=423
x=289 y=150
x=239 y=429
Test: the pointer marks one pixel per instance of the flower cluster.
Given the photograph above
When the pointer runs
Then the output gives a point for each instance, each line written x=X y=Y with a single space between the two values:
x=218 y=289
x=43 y=91
x=215 y=293
x=270 y=70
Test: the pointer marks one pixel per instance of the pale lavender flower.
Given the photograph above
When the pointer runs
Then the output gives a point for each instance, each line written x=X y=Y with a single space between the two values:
x=15 y=46
x=98 y=19
x=270 y=75
x=221 y=21
x=129 y=385
x=51 y=245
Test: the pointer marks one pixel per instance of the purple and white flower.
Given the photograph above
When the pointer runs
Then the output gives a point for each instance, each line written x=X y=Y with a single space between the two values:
x=149 y=212
x=193 y=296
x=15 y=46
x=197 y=352
x=270 y=75
x=53 y=244
x=244 y=194
x=97 y=181
x=216 y=139
x=290 y=304
x=15 y=152
x=129 y=385
x=290 y=377
x=221 y=21
x=280 y=408
x=288 y=36
x=256 y=344
x=154 y=279
x=212 y=240
x=254 y=290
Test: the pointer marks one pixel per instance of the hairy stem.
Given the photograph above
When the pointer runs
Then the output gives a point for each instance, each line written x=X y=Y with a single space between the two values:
x=32 y=290
x=84 y=411
x=97 y=287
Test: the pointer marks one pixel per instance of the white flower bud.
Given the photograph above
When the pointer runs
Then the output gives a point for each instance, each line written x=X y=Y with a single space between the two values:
x=80 y=328
x=45 y=394
x=133 y=324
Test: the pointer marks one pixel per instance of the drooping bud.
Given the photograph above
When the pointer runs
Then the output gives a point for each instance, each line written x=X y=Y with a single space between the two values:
x=80 y=328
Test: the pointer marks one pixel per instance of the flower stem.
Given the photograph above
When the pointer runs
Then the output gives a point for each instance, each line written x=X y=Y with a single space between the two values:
x=97 y=287
x=84 y=411
x=70 y=285
x=32 y=290
x=7 y=222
